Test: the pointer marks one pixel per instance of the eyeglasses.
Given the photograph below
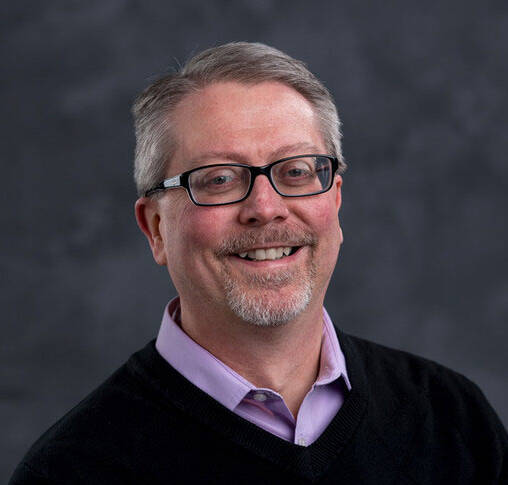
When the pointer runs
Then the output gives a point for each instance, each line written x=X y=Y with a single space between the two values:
x=228 y=183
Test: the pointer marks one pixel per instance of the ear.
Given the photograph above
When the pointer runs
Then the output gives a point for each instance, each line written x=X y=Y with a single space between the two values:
x=149 y=221
x=338 y=185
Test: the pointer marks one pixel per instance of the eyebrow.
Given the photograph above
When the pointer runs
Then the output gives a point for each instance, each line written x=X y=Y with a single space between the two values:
x=237 y=157
x=288 y=150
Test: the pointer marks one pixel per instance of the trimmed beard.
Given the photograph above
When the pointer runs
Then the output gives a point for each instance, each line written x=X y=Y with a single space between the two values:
x=256 y=302
x=254 y=298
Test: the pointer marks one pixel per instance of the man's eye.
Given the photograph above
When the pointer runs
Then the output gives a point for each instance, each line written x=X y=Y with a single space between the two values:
x=220 y=180
x=216 y=181
x=297 y=172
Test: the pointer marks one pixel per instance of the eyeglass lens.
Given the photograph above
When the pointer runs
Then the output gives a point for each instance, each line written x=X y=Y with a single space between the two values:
x=221 y=184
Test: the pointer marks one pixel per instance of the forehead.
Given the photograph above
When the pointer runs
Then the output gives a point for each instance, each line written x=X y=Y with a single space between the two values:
x=254 y=122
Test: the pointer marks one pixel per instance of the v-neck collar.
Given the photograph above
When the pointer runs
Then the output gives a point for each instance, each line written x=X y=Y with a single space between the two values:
x=310 y=462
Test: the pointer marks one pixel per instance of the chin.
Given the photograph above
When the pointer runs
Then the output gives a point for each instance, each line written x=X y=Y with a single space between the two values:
x=267 y=307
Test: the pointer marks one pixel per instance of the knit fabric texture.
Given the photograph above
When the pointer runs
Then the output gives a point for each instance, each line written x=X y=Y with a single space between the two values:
x=407 y=420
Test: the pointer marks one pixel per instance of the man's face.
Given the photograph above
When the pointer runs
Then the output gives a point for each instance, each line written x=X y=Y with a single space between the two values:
x=256 y=125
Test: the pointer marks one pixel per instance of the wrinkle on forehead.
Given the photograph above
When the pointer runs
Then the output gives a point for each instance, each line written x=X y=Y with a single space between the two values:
x=242 y=120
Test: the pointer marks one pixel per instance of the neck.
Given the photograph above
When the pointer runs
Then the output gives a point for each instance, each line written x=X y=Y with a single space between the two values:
x=284 y=359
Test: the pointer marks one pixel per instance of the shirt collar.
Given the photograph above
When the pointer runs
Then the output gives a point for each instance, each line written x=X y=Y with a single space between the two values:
x=218 y=380
x=333 y=362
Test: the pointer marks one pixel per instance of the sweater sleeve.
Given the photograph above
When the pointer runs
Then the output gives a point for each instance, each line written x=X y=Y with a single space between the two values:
x=498 y=440
x=484 y=434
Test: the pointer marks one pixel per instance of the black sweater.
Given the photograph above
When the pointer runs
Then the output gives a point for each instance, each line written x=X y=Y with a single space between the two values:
x=406 y=421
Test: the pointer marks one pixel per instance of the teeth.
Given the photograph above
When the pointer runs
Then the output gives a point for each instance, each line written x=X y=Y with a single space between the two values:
x=263 y=254
x=271 y=253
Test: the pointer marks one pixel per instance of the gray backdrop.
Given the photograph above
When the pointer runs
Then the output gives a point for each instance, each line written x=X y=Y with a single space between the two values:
x=422 y=93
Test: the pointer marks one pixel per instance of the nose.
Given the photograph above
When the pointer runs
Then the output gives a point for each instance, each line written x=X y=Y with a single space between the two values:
x=263 y=205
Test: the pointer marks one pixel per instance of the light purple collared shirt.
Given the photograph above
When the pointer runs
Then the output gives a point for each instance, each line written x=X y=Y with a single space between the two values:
x=263 y=407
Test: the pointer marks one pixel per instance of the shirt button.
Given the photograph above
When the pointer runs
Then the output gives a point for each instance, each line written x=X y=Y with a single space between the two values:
x=301 y=441
x=259 y=396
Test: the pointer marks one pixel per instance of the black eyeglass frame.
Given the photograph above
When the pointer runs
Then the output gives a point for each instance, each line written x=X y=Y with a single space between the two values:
x=182 y=180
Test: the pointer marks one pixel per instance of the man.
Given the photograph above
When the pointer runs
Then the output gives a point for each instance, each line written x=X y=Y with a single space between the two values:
x=238 y=164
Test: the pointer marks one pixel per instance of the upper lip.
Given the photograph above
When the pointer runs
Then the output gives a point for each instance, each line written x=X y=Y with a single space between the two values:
x=268 y=246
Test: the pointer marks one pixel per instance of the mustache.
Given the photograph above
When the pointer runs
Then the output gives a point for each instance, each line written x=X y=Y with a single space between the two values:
x=252 y=238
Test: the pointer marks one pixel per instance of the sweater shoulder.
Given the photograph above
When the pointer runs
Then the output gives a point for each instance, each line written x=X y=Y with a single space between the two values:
x=107 y=420
x=406 y=373
x=440 y=399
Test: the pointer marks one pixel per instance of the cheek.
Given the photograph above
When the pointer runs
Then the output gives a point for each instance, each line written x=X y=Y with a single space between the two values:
x=192 y=236
x=325 y=223
x=202 y=228
x=324 y=218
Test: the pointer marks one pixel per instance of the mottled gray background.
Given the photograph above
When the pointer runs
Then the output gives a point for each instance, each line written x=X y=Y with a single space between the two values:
x=422 y=91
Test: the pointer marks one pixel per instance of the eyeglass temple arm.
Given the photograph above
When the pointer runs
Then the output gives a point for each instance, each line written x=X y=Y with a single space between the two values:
x=170 y=183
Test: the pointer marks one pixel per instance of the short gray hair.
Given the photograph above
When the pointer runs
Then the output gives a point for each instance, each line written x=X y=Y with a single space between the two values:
x=243 y=62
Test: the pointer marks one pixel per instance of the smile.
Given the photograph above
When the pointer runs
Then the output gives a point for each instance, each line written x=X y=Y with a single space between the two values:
x=268 y=254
